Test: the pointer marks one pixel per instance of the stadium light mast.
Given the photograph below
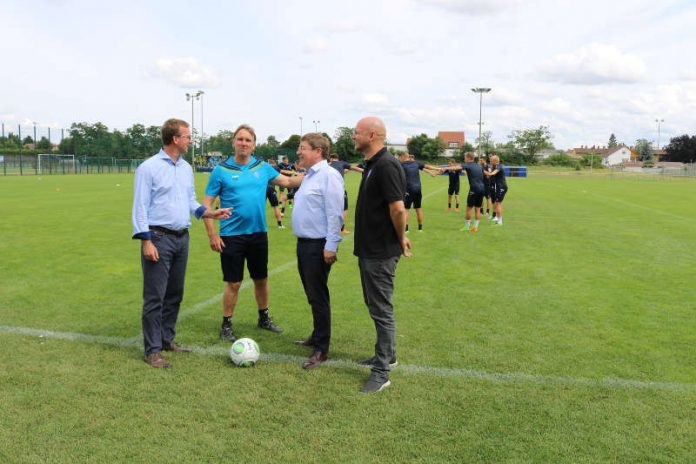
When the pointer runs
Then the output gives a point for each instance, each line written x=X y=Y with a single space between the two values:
x=480 y=91
x=192 y=97
x=200 y=95
x=316 y=125
x=658 y=121
x=300 y=125
x=34 y=122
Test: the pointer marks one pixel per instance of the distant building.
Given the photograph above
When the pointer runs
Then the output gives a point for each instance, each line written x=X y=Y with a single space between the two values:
x=453 y=140
x=612 y=156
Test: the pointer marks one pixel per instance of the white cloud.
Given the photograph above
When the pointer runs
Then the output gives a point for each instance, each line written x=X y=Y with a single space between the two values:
x=186 y=73
x=375 y=100
x=596 y=64
x=688 y=75
x=346 y=26
x=316 y=45
x=474 y=7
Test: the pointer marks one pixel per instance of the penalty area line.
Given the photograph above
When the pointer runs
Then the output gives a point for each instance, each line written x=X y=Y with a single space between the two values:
x=611 y=383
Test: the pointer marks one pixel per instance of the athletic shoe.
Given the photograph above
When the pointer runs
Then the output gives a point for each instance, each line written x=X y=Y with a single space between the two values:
x=226 y=333
x=370 y=361
x=374 y=385
x=267 y=324
x=456 y=209
x=473 y=229
x=281 y=227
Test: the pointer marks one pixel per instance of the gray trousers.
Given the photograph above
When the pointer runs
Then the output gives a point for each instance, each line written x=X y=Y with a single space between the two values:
x=163 y=289
x=377 y=278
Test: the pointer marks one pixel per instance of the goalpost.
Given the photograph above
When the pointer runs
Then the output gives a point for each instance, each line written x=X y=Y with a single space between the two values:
x=49 y=163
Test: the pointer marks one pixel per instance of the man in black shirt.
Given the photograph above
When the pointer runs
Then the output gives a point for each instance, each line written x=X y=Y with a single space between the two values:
x=486 y=185
x=272 y=197
x=499 y=188
x=474 y=199
x=453 y=188
x=380 y=240
x=414 y=193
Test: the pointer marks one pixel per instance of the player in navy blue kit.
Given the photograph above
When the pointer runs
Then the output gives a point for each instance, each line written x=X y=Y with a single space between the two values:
x=498 y=186
x=342 y=167
x=414 y=194
x=284 y=165
x=272 y=197
x=487 y=184
x=474 y=199
x=453 y=188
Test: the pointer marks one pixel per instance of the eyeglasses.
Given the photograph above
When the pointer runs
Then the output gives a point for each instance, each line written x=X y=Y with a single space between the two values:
x=183 y=136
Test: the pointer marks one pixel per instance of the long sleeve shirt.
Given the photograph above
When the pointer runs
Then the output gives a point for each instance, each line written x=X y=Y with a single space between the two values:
x=164 y=195
x=318 y=211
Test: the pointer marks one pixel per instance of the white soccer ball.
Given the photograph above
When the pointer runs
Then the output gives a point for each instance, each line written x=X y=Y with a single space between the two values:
x=244 y=352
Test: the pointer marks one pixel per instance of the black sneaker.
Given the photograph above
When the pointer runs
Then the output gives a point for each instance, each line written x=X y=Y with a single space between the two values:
x=227 y=334
x=267 y=324
x=374 y=385
x=371 y=361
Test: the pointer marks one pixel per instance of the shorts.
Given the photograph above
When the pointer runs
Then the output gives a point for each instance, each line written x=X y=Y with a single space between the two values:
x=291 y=193
x=453 y=190
x=413 y=198
x=474 y=199
x=250 y=247
x=345 y=201
x=272 y=197
x=487 y=191
x=499 y=195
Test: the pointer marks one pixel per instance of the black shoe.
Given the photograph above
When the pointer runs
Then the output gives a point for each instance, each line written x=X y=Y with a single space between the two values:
x=267 y=324
x=371 y=361
x=375 y=384
x=227 y=334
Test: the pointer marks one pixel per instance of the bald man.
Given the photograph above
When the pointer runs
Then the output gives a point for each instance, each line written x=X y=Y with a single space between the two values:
x=380 y=240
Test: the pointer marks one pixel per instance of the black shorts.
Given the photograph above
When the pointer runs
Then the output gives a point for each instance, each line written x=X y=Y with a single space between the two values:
x=453 y=190
x=291 y=193
x=487 y=191
x=272 y=197
x=474 y=199
x=499 y=194
x=345 y=201
x=413 y=198
x=250 y=247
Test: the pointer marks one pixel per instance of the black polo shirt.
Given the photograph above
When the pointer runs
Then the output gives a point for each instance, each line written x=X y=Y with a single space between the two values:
x=383 y=182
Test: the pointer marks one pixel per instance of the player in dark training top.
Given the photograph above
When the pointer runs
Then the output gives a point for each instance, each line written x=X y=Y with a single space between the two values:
x=487 y=185
x=498 y=187
x=414 y=194
x=453 y=188
x=474 y=199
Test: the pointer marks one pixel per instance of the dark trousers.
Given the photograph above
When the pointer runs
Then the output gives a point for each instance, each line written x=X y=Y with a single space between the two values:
x=163 y=289
x=377 y=278
x=314 y=273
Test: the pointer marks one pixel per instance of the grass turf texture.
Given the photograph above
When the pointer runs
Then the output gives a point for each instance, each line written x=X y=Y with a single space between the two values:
x=566 y=335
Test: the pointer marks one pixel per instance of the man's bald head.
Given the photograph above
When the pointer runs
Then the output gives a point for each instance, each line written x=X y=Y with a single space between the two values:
x=369 y=135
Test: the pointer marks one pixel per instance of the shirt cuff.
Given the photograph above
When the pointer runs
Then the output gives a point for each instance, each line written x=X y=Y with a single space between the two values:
x=143 y=236
x=331 y=246
x=199 y=212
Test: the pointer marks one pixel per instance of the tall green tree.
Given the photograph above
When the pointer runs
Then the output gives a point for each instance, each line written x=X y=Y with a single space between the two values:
x=682 y=149
x=531 y=141
x=344 y=146
x=644 y=149
x=293 y=142
x=612 y=141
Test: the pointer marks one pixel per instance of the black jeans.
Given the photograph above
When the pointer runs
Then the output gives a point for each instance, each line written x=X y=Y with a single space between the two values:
x=314 y=273
x=163 y=289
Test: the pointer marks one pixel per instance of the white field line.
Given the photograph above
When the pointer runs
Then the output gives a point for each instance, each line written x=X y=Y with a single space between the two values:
x=611 y=383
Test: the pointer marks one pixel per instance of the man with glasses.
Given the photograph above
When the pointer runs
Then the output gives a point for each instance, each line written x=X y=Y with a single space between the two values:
x=163 y=201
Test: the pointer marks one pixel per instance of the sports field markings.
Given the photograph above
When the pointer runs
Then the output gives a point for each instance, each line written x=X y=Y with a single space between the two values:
x=443 y=372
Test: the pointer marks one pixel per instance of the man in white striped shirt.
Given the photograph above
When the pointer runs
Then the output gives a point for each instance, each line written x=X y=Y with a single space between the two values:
x=316 y=221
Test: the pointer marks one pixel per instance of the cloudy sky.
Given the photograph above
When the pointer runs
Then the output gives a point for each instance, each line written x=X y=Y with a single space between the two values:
x=586 y=69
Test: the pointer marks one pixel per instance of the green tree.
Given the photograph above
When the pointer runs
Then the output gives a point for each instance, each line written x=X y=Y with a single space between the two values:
x=220 y=142
x=27 y=140
x=560 y=159
x=293 y=142
x=416 y=145
x=531 y=141
x=592 y=160
x=612 y=141
x=44 y=144
x=486 y=142
x=272 y=142
x=682 y=149
x=644 y=149
x=344 y=146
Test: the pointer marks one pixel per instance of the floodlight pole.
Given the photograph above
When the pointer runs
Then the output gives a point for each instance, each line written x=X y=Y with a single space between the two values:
x=316 y=125
x=200 y=95
x=300 y=126
x=658 y=121
x=34 y=135
x=480 y=91
x=192 y=97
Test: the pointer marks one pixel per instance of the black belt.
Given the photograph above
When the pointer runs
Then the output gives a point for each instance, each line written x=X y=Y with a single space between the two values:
x=311 y=240
x=177 y=233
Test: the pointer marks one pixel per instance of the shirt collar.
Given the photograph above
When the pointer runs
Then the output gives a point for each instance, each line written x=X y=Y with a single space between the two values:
x=377 y=156
x=318 y=166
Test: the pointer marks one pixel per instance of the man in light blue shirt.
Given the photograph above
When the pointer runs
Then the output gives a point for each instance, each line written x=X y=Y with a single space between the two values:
x=163 y=201
x=316 y=221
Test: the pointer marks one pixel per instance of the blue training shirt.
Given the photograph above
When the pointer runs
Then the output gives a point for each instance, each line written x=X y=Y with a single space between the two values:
x=244 y=189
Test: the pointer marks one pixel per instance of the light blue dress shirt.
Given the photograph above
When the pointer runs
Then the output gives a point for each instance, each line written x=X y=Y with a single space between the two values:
x=318 y=211
x=164 y=195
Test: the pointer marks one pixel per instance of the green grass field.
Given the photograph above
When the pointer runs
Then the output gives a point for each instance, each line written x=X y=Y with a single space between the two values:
x=566 y=335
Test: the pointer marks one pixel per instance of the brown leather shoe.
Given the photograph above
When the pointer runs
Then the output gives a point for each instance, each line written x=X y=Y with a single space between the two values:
x=156 y=360
x=317 y=358
x=175 y=347
x=306 y=342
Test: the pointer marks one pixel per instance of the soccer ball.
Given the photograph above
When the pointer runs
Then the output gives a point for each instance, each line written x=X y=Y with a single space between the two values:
x=244 y=352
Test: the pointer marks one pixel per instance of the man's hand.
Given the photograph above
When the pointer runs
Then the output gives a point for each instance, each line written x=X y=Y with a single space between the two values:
x=150 y=251
x=221 y=213
x=216 y=243
x=330 y=257
x=405 y=246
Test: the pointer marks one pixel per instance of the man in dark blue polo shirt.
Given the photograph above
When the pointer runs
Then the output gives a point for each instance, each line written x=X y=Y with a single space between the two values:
x=499 y=188
x=474 y=199
x=380 y=240
x=414 y=194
